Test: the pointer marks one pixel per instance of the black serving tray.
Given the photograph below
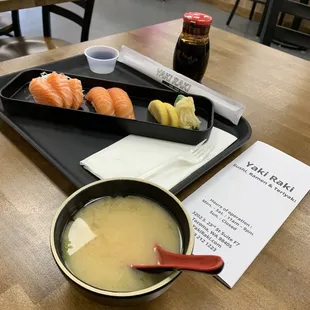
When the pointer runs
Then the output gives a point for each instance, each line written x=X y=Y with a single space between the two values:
x=65 y=145
x=17 y=100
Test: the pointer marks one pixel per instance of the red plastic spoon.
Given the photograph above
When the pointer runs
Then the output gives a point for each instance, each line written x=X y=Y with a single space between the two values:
x=211 y=264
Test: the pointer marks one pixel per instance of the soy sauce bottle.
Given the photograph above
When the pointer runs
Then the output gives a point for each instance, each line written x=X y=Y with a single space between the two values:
x=191 y=54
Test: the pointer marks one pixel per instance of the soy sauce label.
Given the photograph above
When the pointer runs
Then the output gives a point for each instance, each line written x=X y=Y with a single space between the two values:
x=173 y=82
x=191 y=60
x=188 y=58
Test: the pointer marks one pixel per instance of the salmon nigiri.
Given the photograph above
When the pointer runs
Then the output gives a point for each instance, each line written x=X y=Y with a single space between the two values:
x=61 y=86
x=101 y=100
x=122 y=103
x=43 y=92
x=77 y=92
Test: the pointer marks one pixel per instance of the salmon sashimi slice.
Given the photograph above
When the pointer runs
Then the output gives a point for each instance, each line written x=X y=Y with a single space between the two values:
x=101 y=100
x=77 y=92
x=60 y=84
x=122 y=103
x=43 y=93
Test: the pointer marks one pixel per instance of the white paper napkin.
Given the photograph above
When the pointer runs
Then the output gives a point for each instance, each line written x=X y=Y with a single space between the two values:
x=133 y=156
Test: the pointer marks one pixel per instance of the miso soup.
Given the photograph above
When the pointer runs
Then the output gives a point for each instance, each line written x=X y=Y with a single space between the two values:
x=108 y=235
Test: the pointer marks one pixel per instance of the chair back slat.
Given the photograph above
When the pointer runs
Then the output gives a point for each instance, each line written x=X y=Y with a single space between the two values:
x=84 y=21
x=287 y=35
x=292 y=36
x=66 y=14
x=82 y=3
x=297 y=9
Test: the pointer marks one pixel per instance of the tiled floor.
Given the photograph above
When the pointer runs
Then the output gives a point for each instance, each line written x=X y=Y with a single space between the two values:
x=114 y=16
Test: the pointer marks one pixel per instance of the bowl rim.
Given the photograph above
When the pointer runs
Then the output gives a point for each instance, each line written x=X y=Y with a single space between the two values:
x=103 y=292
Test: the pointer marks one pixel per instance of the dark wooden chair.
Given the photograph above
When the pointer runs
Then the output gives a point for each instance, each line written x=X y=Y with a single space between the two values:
x=251 y=13
x=84 y=21
x=273 y=31
x=14 y=27
x=17 y=47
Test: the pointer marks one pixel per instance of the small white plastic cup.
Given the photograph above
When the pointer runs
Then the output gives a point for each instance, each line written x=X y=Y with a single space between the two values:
x=101 y=59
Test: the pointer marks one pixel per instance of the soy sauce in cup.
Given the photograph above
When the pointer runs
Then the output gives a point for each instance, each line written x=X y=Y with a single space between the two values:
x=191 y=54
x=101 y=59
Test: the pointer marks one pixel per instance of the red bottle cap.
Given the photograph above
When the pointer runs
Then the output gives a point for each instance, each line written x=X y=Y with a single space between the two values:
x=200 y=19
